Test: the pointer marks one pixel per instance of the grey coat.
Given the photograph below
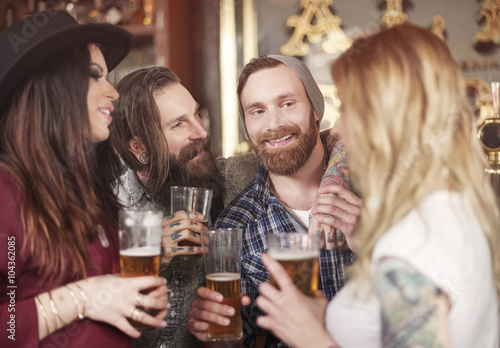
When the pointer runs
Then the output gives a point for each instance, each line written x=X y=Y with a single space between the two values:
x=184 y=276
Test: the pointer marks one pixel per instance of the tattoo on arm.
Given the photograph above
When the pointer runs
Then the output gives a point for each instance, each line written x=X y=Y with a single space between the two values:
x=414 y=310
x=174 y=250
x=175 y=224
x=337 y=172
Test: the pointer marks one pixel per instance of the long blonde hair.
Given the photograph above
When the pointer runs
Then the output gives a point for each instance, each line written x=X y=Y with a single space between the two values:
x=409 y=126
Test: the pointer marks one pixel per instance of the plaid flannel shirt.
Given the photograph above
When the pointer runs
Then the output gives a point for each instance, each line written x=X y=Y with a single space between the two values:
x=258 y=212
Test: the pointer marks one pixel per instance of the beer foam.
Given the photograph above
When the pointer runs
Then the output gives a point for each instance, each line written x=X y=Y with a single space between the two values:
x=141 y=251
x=289 y=255
x=223 y=276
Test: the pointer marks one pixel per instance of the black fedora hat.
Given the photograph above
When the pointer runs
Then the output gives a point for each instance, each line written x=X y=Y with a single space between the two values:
x=29 y=42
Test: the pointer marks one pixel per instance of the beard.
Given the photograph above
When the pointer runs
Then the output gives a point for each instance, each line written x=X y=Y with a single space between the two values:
x=186 y=170
x=287 y=161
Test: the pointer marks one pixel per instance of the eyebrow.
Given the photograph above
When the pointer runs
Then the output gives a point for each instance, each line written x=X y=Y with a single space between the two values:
x=279 y=98
x=184 y=116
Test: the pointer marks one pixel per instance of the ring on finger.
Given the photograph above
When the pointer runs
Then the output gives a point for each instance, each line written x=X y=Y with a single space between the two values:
x=140 y=300
x=170 y=293
x=134 y=314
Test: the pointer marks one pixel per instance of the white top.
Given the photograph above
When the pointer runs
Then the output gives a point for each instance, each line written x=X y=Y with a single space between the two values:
x=442 y=240
x=301 y=216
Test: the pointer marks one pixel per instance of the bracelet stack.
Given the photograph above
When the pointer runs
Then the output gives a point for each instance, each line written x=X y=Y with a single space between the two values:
x=55 y=311
x=80 y=308
x=81 y=313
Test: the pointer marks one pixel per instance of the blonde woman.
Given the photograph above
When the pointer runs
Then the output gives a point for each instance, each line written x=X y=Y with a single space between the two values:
x=428 y=267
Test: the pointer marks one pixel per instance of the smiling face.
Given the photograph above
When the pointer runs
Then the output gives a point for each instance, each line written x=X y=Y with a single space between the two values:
x=100 y=96
x=190 y=158
x=279 y=119
x=180 y=117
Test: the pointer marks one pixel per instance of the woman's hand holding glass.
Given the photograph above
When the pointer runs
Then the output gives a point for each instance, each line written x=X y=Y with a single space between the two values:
x=113 y=299
x=296 y=319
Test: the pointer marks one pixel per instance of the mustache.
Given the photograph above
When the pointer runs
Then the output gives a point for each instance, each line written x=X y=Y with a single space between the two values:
x=273 y=135
x=190 y=151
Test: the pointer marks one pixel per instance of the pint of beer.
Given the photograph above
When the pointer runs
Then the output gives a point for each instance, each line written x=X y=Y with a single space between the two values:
x=140 y=245
x=222 y=261
x=299 y=255
x=138 y=261
x=228 y=284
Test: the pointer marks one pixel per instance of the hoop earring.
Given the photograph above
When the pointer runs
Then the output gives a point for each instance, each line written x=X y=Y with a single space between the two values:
x=144 y=158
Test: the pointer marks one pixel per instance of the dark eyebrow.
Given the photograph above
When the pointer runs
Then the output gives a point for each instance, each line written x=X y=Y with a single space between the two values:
x=279 y=98
x=184 y=116
x=253 y=105
x=286 y=96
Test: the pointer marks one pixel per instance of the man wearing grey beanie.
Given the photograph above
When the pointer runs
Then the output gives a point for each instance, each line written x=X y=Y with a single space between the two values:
x=281 y=107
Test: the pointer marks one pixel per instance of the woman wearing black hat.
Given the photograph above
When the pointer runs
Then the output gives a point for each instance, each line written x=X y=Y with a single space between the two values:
x=58 y=215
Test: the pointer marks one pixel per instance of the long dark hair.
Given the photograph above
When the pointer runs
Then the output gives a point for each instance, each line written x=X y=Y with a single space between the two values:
x=137 y=115
x=66 y=178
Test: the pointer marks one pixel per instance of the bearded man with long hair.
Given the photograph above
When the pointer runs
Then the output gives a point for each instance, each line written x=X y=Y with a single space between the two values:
x=159 y=135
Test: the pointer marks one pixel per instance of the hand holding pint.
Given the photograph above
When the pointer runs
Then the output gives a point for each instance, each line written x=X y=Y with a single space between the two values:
x=189 y=200
x=222 y=260
x=140 y=245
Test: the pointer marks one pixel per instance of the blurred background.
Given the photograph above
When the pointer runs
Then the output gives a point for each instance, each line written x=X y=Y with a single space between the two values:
x=207 y=42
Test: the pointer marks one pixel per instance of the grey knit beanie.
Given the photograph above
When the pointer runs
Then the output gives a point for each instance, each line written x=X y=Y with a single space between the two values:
x=310 y=85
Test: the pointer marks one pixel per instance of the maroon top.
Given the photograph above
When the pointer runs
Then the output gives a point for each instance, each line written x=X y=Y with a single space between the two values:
x=18 y=281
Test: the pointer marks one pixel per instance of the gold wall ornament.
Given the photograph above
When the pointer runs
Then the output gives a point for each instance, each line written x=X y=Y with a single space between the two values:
x=479 y=94
x=326 y=24
x=332 y=106
x=394 y=14
x=438 y=26
x=491 y=31
x=487 y=134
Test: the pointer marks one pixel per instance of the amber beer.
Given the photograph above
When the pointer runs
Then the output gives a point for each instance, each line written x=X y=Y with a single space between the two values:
x=140 y=261
x=137 y=262
x=302 y=266
x=228 y=284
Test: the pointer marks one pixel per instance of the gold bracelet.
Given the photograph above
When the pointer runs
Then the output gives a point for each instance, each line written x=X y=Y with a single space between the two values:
x=54 y=309
x=40 y=305
x=80 y=314
x=82 y=293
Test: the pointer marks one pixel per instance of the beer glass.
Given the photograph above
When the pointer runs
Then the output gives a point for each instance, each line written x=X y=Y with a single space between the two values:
x=298 y=253
x=140 y=244
x=222 y=261
x=191 y=199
